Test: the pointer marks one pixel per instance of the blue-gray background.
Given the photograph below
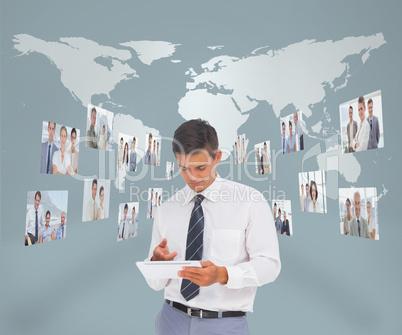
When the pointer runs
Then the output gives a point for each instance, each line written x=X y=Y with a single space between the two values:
x=88 y=283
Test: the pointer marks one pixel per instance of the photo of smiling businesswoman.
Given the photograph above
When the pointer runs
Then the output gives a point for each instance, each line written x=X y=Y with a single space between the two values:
x=228 y=226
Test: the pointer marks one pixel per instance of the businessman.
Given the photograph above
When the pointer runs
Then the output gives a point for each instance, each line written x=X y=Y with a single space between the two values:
x=363 y=131
x=133 y=156
x=60 y=234
x=34 y=221
x=92 y=139
x=351 y=130
x=358 y=226
x=374 y=136
x=48 y=149
x=233 y=237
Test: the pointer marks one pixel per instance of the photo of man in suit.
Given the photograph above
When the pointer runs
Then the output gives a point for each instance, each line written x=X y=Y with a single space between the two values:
x=60 y=234
x=73 y=152
x=34 y=221
x=283 y=138
x=92 y=139
x=258 y=159
x=374 y=136
x=48 y=149
x=285 y=225
x=133 y=156
x=351 y=129
x=123 y=227
x=358 y=226
x=148 y=154
x=363 y=131
x=278 y=222
x=92 y=206
x=298 y=131
x=307 y=199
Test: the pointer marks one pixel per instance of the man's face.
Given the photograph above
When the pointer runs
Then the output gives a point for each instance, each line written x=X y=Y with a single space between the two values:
x=350 y=114
x=265 y=147
x=94 y=190
x=274 y=209
x=307 y=191
x=279 y=215
x=149 y=143
x=362 y=110
x=357 y=204
x=199 y=169
x=370 y=108
x=284 y=216
x=133 y=214
x=283 y=130
x=154 y=145
x=295 y=118
x=93 y=119
x=50 y=129
x=121 y=144
x=125 y=214
x=37 y=202
x=133 y=145
x=63 y=218
x=302 y=189
x=103 y=130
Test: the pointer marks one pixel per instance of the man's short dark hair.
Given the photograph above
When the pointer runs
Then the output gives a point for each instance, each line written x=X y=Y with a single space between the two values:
x=93 y=110
x=350 y=107
x=94 y=182
x=38 y=194
x=279 y=210
x=274 y=204
x=48 y=125
x=125 y=207
x=361 y=101
x=370 y=101
x=195 y=135
x=307 y=184
x=48 y=212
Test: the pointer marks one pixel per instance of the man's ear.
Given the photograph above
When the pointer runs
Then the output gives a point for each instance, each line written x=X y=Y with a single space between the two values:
x=218 y=156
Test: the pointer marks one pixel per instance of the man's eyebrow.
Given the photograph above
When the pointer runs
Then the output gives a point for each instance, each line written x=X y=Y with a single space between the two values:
x=186 y=167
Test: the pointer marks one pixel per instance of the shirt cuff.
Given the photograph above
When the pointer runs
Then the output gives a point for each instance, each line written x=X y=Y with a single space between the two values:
x=235 y=277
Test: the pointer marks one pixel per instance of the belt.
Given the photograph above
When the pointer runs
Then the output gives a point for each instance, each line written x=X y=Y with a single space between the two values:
x=203 y=313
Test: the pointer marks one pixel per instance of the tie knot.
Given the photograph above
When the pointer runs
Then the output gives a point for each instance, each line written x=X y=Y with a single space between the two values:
x=198 y=199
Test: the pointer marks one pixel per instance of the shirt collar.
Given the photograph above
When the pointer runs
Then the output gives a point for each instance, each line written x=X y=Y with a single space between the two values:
x=211 y=192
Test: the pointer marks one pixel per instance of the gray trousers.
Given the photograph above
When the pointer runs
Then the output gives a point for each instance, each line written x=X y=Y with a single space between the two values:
x=171 y=321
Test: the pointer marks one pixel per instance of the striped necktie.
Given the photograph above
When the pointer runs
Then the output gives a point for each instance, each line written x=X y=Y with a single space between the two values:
x=195 y=237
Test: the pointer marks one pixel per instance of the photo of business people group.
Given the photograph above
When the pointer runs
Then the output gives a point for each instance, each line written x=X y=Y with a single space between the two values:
x=240 y=149
x=362 y=123
x=99 y=128
x=282 y=211
x=154 y=201
x=127 y=226
x=312 y=191
x=263 y=158
x=126 y=154
x=169 y=170
x=358 y=212
x=96 y=199
x=153 y=153
x=46 y=217
x=60 y=149
x=292 y=138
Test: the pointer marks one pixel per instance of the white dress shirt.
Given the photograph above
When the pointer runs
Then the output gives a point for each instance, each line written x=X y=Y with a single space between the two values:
x=362 y=136
x=91 y=213
x=239 y=233
x=30 y=221
x=61 y=165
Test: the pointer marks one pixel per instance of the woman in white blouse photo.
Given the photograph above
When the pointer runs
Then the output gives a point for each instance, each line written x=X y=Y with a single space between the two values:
x=61 y=160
